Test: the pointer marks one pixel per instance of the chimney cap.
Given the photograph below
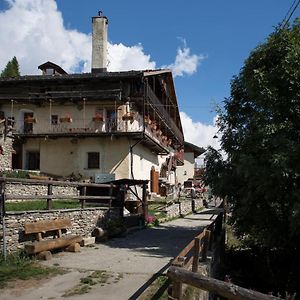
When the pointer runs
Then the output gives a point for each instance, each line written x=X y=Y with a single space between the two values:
x=100 y=15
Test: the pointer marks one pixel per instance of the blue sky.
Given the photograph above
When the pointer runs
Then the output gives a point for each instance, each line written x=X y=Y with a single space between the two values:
x=217 y=35
x=223 y=31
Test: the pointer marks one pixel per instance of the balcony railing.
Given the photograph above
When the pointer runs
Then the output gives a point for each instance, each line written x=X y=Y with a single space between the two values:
x=165 y=116
x=71 y=125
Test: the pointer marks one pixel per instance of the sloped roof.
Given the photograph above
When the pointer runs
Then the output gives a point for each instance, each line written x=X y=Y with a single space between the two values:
x=189 y=147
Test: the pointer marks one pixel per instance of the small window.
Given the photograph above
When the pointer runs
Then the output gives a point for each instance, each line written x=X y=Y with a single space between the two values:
x=93 y=160
x=54 y=119
x=33 y=160
x=49 y=71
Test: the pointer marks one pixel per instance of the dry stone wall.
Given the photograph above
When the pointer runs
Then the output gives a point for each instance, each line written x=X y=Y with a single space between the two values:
x=83 y=222
x=183 y=208
x=35 y=189
x=5 y=154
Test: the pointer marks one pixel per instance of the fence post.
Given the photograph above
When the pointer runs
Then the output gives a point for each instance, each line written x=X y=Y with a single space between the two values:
x=83 y=193
x=49 y=200
x=145 y=202
x=196 y=254
x=111 y=190
x=205 y=245
x=2 y=216
x=176 y=291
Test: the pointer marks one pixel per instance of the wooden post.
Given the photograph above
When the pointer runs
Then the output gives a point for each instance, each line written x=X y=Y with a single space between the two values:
x=205 y=245
x=111 y=190
x=2 y=216
x=83 y=193
x=145 y=202
x=225 y=289
x=49 y=201
x=176 y=291
x=196 y=255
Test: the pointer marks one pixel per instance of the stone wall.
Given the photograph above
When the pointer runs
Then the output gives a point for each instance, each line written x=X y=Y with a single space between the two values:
x=83 y=222
x=183 y=208
x=36 y=189
x=6 y=156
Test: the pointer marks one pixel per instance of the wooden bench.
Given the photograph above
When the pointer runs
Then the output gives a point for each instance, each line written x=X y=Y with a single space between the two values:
x=40 y=228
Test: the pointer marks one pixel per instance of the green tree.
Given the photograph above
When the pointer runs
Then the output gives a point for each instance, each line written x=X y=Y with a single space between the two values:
x=11 y=69
x=260 y=128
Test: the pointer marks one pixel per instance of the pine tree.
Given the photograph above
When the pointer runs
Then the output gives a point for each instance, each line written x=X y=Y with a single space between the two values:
x=11 y=69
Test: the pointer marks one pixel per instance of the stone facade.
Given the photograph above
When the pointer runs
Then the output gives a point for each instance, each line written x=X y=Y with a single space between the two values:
x=6 y=155
x=83 y=223
x=35 y=189
x=183 y=208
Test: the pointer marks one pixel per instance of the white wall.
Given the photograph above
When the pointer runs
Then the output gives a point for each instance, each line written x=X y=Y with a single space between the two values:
x=187 y=170
x=63 y=156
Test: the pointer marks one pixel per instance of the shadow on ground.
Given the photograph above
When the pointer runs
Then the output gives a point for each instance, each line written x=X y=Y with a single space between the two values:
x=168 y=239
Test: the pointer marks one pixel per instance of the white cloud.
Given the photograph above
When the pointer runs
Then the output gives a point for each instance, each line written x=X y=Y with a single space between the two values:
x=185 y=62
x=198 y=133
x=122 y=58
x=33 y=31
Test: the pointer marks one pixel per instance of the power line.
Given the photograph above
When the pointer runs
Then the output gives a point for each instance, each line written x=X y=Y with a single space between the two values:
x=289 y=13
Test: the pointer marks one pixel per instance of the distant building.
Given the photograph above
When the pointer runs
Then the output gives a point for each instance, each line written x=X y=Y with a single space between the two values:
x=187 y=170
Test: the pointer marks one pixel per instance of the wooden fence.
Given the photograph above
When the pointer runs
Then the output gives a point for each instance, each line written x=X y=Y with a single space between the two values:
x=179 y=273
x=224 y=289
x=194 y=252
x=82 y=187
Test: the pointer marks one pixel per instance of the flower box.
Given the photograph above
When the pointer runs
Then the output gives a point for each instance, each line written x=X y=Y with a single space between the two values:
x=153 y=125
x=158 y=132
x=65 y=120
x=148 y=120
x=30 y=120
x=98 y=118
x=128 y=116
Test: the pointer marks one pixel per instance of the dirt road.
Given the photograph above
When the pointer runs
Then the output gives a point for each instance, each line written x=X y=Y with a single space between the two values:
x=117 y=269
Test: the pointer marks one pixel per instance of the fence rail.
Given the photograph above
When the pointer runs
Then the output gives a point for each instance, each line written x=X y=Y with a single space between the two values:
x=82 y=188
x=194 y=252
x=221 y=288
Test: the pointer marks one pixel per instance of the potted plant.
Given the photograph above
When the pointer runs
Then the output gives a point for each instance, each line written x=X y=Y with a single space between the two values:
x=65 y=119
x=128 y=116
x=30 y=120
x=147 y=120
x=98 y=118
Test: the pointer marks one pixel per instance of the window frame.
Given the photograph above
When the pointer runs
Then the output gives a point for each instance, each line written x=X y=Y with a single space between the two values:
x=93 y=162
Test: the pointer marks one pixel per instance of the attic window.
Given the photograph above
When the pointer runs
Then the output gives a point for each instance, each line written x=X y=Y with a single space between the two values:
x=49 y=71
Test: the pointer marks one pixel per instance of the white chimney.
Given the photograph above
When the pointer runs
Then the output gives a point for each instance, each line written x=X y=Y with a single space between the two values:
x=99 y=43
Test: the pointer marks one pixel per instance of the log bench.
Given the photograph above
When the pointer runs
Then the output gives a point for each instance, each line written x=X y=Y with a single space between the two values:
x=40 y=228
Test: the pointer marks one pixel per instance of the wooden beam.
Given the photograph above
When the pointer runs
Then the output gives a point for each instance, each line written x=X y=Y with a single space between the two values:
x=228 y=290
x=46 y=245
x=49 y=225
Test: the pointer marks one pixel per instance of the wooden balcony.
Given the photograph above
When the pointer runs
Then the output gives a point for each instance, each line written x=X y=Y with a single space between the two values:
x=164 y=114
x=134 y=124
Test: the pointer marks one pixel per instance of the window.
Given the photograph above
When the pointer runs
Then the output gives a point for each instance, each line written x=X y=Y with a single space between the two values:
x=93 y=160
x=49 y=71
x=33 y=160
x=54 y=119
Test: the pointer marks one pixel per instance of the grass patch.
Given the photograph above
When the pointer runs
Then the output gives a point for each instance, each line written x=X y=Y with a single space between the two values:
x=18 y=267
x=157 y=290
x=96 y=277
x=232 y=242
x=40 y=205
